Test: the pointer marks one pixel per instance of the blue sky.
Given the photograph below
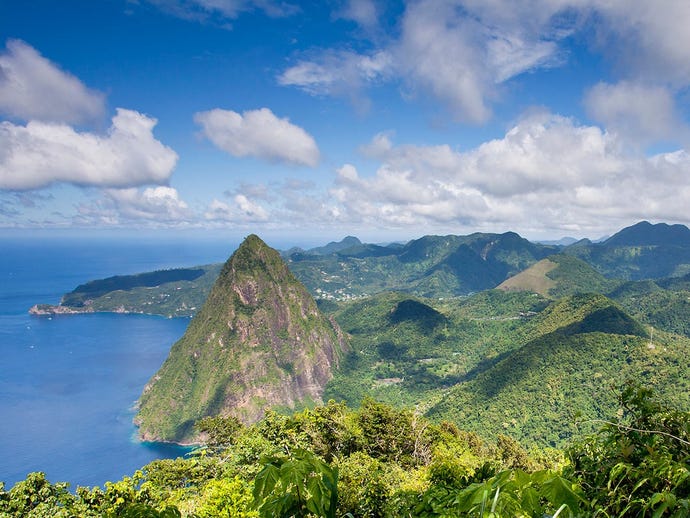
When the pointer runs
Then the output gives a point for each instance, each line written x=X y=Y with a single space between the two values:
x=314 y=120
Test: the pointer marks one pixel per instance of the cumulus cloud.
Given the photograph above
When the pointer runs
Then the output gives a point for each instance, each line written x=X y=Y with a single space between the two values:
x=547 y=171
x=641 y=112
x=40 y=154
x=242 y=210
x=260 y=134
x=33 y=88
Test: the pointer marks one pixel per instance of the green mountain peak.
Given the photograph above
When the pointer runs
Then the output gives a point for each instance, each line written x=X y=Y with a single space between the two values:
x=259 y=341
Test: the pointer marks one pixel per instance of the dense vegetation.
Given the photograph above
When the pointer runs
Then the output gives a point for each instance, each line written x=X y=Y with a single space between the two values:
x=505 y=362
x=332 y=461
x=431 y=266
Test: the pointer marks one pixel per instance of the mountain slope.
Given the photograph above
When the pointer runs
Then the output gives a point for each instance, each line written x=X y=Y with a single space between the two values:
x=178 y=292
x=578 y=349
x=405 y=350
x=558 y=276
x=642 y=251
x=431 y=266
x=258 y=341
x=664 y=304
x=646 y=234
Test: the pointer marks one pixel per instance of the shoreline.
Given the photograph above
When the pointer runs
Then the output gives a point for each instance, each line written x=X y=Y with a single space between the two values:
x=49 y=310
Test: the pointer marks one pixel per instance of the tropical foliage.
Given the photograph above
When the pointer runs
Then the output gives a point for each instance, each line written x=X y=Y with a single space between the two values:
x=380 y=461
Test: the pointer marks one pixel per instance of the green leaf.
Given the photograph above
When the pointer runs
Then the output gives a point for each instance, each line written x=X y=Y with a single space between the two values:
x=559 y=490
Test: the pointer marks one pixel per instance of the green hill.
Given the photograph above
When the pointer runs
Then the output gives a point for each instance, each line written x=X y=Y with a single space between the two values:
x=642 y=251
x=577 y=350
x=178 y=292
x=646 y=234
x=259 y=341
x=666 y=307
x=407 y=350
x=431 y=266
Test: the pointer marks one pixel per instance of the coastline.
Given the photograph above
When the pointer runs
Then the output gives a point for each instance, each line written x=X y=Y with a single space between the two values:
x=50 y=310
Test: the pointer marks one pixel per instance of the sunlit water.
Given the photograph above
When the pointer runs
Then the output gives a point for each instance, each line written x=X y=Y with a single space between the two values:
x=68 y=383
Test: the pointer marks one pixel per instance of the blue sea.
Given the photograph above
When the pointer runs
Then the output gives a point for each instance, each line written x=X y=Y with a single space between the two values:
x=68 y=383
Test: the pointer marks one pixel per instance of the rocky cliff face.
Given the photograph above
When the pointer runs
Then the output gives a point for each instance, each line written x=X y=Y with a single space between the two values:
x=259 y=341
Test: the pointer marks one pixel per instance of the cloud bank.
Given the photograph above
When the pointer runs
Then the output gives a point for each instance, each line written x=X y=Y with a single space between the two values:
x=546 y=172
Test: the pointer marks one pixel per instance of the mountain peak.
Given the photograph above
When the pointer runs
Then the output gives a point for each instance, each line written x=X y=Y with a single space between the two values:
x=258 y=341
x=336 y=246
x=645 y=233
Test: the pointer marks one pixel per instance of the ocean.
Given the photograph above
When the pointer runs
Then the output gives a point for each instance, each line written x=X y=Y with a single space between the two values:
x=68 y=383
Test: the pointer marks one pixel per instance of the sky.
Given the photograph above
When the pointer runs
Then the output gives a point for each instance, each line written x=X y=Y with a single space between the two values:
x=310 y=121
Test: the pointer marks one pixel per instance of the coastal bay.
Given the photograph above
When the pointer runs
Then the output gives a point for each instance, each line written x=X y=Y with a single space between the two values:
x=69 y=382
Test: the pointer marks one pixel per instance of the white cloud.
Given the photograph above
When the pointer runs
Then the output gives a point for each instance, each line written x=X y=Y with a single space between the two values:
x=649 y=39
x=162 y=204
x=340 y=74
x=242 y=210
x=453 y=49
x=40 y=154
x=459 y=54
x=460 y=51
x=250 y=209
x=151 y=207
x=33 y=88
x=642 y=113
x=260 y=134
x=219 y=211
x=363 y=12
x=546 y=173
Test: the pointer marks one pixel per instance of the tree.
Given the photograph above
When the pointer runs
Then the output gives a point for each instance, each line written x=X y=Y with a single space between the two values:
x=298 y=485
x=638 y=465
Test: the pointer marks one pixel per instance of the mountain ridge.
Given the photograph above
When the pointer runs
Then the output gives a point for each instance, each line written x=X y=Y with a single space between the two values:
x=430 y=266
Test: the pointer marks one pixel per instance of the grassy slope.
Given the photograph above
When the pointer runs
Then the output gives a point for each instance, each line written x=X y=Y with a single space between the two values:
x=558 y=276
